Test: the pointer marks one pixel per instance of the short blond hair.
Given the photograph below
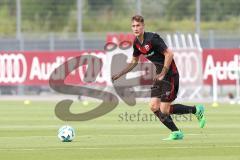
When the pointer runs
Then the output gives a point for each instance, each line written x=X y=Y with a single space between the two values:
x=138 y=18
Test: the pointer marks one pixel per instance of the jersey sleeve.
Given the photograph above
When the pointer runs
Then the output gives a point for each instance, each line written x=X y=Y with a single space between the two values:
x=159 y=45
x=136 y=52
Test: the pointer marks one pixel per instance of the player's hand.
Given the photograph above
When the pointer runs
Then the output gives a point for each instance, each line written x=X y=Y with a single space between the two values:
x=115 y=77
x=159 y=77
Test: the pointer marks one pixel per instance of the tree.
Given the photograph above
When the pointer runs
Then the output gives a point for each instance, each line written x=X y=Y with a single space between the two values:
x=210 y=10
x=53 y=13
x=179 y=9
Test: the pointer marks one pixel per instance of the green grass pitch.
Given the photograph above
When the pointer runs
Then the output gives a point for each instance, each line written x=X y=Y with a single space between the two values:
x=29 y=132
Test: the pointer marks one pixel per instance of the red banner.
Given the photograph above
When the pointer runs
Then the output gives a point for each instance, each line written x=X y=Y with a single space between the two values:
x=35 y=67
x=222 y=63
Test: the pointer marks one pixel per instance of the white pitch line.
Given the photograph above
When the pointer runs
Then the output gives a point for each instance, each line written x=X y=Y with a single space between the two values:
x=116 y=148
x=40 y=149
x=136 y=135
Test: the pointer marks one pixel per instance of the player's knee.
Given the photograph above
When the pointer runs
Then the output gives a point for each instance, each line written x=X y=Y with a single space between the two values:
x=154 y=106
x=164 y=110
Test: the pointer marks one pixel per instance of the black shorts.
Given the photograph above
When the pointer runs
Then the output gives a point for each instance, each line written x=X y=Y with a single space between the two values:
x=166 y=89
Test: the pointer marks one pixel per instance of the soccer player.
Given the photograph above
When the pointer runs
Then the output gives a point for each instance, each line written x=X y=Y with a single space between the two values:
x=152 y=46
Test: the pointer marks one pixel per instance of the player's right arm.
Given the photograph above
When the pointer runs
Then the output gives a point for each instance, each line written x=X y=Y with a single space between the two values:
x=129 y=67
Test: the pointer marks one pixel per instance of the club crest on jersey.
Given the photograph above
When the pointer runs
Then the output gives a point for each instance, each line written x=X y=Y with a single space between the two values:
x=144 y=49
x=147 y=47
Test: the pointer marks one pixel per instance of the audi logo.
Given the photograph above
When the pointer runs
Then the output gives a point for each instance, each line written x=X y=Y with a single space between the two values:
x=189 y=65
x=94 y=64
x=111 y=46
x=13 y=68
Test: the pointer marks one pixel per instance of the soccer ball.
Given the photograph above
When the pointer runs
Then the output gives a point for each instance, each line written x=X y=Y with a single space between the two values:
x=66 y=133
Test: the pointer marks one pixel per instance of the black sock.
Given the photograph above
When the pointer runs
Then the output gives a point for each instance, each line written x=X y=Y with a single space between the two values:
x=166 y=120
x=182 y=109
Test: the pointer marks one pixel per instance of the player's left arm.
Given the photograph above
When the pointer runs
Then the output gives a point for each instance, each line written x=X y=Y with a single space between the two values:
x=161 y=48
x=168 y=54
